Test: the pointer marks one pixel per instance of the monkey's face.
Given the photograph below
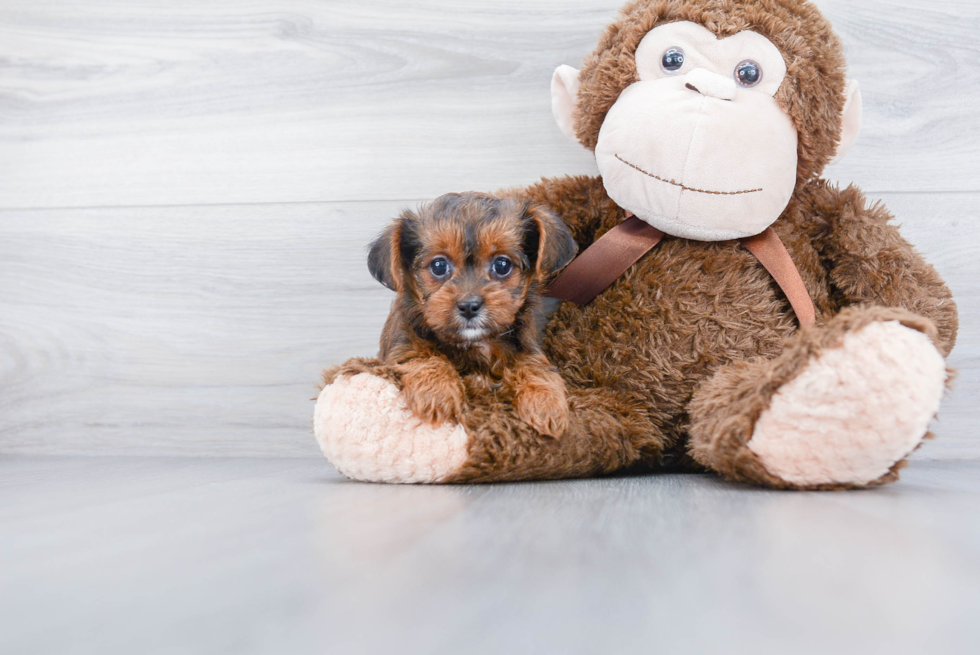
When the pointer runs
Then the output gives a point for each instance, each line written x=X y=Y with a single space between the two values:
x=699 y=147
x=697 y=144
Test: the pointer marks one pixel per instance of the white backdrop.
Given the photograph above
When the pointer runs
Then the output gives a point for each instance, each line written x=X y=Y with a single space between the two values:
x=187 y=189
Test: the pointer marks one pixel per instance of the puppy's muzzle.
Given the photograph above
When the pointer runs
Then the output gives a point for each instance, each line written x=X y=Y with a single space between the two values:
x=469 y=307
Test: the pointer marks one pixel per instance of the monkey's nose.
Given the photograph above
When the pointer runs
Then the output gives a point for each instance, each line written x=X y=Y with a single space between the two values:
x=469 y=307
x=711 y=84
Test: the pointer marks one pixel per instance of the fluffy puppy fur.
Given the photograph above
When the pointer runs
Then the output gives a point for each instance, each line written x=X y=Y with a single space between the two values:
x=469 y=270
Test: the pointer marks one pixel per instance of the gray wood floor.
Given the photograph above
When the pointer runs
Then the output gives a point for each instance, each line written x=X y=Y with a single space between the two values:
x=182 y=555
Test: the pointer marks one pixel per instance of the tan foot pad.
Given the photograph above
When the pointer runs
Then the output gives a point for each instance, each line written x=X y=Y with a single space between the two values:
x=854 y=411
x=365 y=429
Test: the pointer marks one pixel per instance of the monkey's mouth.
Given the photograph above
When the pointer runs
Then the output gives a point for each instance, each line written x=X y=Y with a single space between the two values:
x=687 y=188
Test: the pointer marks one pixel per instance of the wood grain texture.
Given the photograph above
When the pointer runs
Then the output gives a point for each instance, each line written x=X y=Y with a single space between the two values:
x=201 y=330
x=180 y=329
x=916 y=63
x=115 y=103
x=189 y=308
x=153 y=556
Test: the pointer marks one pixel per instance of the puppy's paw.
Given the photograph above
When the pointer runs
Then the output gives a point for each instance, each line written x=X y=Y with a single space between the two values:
x=435 y=405
x=433 y=393
x=541 y=404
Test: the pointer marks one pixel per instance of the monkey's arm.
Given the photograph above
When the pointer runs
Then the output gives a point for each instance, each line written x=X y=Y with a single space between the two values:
x=581 y=201
x=868 y=261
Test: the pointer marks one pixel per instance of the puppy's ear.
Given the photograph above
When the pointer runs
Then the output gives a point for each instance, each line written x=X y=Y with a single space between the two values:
x=381 y=257
x=391 y=255
x=548 y=245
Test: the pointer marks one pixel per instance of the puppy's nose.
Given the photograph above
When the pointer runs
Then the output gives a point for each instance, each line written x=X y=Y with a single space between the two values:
x=469 y=307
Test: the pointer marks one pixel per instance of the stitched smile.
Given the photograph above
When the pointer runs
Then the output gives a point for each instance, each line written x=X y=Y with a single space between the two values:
x=687 y=188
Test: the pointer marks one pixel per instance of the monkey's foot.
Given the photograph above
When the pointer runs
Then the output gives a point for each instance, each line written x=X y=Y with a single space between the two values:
x=367 y=431
x=854 y=411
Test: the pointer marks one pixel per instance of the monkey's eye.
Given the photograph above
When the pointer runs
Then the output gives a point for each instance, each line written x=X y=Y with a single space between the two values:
x=439 y=267
x=748 y=73
x=673 y=60
x=502 y=267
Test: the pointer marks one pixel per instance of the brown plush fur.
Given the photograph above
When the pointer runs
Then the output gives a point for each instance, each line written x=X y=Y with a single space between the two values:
x=718 y=338
x=469 y=270
x=704 y=307
x=671 y=366
x=725 y=408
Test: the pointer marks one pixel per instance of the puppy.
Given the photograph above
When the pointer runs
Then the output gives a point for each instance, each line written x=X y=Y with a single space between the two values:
x=469 y=270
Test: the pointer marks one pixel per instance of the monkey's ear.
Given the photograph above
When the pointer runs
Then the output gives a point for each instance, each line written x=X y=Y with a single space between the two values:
x=852 y=114
x=564 y=98
x=391 y=253
x=548 y=244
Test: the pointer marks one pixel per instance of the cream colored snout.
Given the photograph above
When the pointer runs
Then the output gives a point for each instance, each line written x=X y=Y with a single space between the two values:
x=711 y=84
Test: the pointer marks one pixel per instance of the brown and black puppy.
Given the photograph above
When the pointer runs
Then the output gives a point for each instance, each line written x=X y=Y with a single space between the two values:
x=469 y=270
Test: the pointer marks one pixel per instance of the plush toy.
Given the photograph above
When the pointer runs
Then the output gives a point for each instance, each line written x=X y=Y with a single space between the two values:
x=773 y=329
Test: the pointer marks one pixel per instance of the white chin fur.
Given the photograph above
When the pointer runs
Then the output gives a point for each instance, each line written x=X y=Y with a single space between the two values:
x=473 y=334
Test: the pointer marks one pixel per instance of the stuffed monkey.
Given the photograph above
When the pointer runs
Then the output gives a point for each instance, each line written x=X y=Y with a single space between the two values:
x=711 y=122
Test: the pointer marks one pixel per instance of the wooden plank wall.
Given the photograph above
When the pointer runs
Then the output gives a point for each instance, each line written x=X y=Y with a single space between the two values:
x=187 y=188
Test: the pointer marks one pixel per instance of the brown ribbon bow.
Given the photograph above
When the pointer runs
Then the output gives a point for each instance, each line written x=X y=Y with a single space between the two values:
x=614 y=252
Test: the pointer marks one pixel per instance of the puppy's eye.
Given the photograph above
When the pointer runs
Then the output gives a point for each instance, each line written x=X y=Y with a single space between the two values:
x=502 y=267
x=673 y=60
x=748 y=73
x=439 y=267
